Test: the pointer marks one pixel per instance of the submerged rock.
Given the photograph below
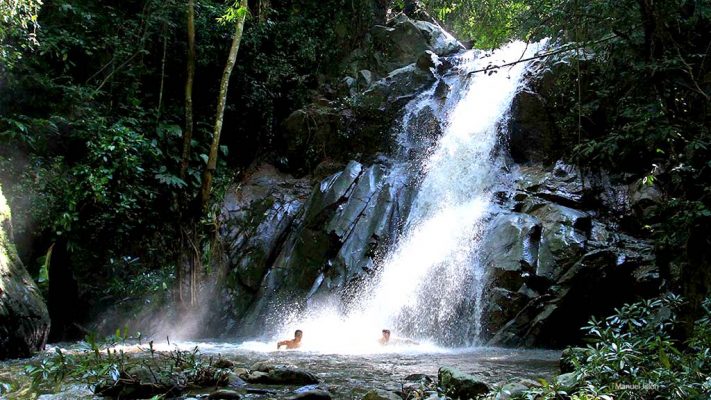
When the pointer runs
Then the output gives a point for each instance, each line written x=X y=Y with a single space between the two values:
x=511 y=390
x=458 y=384
x=278 y=375
x=24 y=319
x=314 y=394
x=379 y=394
x=224 y=394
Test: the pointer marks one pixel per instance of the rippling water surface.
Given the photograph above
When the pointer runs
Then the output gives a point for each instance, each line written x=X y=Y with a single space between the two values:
x=348 y=375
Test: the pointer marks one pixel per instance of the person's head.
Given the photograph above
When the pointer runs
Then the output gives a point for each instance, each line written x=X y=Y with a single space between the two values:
x=298 y=334
x=386 y=334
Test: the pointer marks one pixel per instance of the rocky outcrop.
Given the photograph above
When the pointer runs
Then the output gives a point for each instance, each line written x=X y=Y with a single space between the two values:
x=554 y=261
x=24 y=320
x=333 y=238
x=397 y=44
x=401 y=59
x=256 y=218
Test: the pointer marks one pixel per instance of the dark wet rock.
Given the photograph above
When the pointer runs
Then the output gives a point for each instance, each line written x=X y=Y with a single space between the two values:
x=347 y=218
x=256 y=215
x=501 y=306
x=379 y=394
x=567 y=382
x=427 y=60
x=458 y=384
x=533 y=137
x=24 y=320
x=314 y=394
x=260 y=391
x=561 y=184
x=278 y=375
x=511 y=390
x=68 y=392
x=224 y=394
x=511 y=249
x=223 y=363
x=126 y=388
x=403 y=39
x=393 y=91
x=233 y=380
x=419 y=378
x=365 y=78
x=644 y=198
x=440 y=42
x=563 y=240
x=264 y=366
x=600 y=281
x=424 y=130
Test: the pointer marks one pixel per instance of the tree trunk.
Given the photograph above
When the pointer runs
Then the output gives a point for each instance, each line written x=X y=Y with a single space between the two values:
x=187 y=256
x=188 y=132
x=221 y=102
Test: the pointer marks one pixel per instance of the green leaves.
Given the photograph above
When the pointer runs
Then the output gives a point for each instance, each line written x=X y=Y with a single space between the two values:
x=488 y=23
x=234 y=13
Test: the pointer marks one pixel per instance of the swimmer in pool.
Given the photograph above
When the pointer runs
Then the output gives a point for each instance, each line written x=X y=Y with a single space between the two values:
x=385 y=339
x=294 y=343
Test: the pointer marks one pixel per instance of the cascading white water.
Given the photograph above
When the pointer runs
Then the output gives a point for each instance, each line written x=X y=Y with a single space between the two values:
x=430 y=285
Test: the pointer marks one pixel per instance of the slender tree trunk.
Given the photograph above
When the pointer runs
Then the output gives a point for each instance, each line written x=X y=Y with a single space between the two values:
x=162 y=73
x=188 y=132
x=187 y=257
x=221 y=102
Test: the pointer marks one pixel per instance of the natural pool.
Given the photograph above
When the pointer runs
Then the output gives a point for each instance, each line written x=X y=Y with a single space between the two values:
x=345 y=376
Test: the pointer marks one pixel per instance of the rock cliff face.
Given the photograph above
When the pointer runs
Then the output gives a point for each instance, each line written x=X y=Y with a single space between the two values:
x=24 y=320
x=554 y=259
x=555 y=249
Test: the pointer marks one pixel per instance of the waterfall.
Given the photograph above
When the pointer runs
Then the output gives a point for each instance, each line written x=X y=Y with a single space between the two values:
x=430 y=285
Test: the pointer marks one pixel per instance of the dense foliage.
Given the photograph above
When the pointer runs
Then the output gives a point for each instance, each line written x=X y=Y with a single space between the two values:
x=140 y=372
x=634 y=354
x=18 y=30
x=91 y=120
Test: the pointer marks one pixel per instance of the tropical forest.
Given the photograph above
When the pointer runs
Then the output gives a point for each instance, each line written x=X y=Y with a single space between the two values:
x=355 y=199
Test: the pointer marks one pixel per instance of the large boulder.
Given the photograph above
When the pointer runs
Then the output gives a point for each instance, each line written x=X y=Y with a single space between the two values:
x=460 y=385
x=403 y=39
x=24 y=320
x=391 y=93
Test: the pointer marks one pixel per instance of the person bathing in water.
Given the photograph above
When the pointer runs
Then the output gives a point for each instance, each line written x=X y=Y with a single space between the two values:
x=294 y=343
x=385 y=339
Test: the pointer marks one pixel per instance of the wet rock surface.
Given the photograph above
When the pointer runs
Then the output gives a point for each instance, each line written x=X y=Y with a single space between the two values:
x=574 y=266
x=333 y=237
x=24 y=319
x=460 y=385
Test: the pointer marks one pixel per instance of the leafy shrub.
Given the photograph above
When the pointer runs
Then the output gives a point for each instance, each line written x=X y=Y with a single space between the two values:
x=633 y=355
